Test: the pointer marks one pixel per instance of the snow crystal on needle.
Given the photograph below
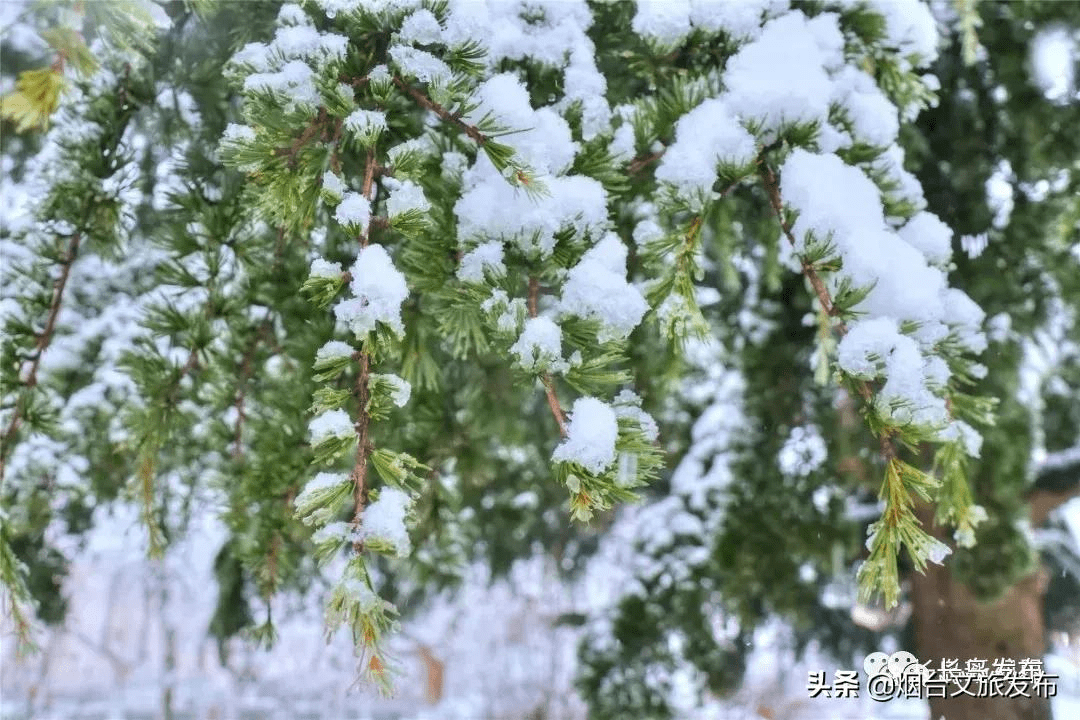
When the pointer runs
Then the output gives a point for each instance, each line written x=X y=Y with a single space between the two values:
x=334 y=349
x=335 y=531
x=354 y=211
x=422 y=65
x=590 y=436
x=542 y=137
x=333 y=184
x=294 y=82
x=540 y=344
x=331 y=424
x=379 y=290
x=366 y=124
x=405 y=195
x=401 y=389
x=322 y=481
x=324 y=269
x=705 y=137
x=488 y=256
x=384 y=520
x=421 y=28
x=239 y=133
x=597 y=288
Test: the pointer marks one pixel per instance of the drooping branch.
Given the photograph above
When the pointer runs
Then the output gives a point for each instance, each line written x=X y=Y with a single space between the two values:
x=30 y=372
x=362 y=389
x=772 y=188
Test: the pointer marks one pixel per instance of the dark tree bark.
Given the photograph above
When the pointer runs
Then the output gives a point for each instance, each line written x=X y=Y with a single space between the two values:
x=951 y=623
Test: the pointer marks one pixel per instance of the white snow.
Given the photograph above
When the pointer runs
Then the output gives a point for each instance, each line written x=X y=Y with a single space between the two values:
x=539 y=347
x=597 y=288
x=238 y=133
x=420 y=64
x=354 y=212
x=707 y=136
x=321 y=268
x=379 y=289
x=334 y=185
x=420 y=28
x=384 y=520
x=909 y=26
x=331 y=424
x=405 y=195
x=334 y=349
x=874 y=119
x=294 y=82
x=803 y=452
x=542 y=137
x=928 y=234
x=590 y=436
x=487 y=257
x=974 y=245
x=321 y=483
x=782 y=77
x=491 y=209
x=366 y=125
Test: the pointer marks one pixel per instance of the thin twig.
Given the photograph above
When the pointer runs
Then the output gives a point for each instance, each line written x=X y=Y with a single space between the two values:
x=42 y=343
x=424 y=101
x=549 y=384
x=640 y=163
x=772 y=187
x=362 y=389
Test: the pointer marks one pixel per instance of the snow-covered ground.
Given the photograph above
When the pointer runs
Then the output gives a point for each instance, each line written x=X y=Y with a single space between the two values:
x=490 y=652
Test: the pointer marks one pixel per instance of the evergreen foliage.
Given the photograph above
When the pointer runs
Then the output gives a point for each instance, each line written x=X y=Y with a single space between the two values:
x=404 y=285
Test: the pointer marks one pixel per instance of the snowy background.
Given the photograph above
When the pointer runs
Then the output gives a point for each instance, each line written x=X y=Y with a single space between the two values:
x=487 y=653
x=137 y=633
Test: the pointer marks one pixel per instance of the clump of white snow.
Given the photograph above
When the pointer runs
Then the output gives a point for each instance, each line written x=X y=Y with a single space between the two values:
x=354 y=212
x=384 y=520
x=331 y=424
x=379 y=289
x=540 y=345
x=597 y=288
x=590 y=436
x=803 y=452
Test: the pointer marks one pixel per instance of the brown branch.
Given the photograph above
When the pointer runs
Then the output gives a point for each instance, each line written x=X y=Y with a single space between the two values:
x=640 y=163
x=362 y=389
x=309 y=132
x=263 y=332
x=549 y=384
x=424 y=101
x=43 y=340
x=772 y=187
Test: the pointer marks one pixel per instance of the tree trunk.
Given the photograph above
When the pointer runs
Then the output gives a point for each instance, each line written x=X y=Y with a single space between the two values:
x=950 y=623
